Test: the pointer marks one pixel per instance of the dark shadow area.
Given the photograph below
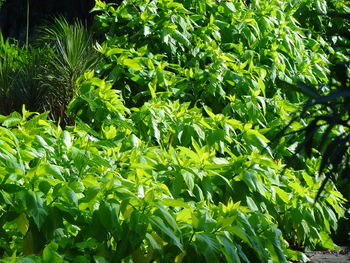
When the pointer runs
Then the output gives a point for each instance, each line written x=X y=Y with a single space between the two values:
x=13 y=15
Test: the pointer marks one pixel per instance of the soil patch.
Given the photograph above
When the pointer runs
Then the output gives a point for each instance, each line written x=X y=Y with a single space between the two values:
x=334 y=256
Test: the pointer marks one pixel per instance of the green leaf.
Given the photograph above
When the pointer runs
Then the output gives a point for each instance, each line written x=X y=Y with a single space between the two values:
x=326 y=241
x=11 y=188
x=251 y=204
x=281 y=194
x=35 y=207
x=321 y=6
x=55 y=171
x=168 y=218
x=181 y=38
x=69 y=195
x=154 y=129
x=188 y=178
x=90 y=194
x=158 y=224
x=99 y=259
x=108 y=215
x=12 y=120
x=4 y=198
x=174 y=203
x=45 y=187
x=199 y=131
x=67 y=141
x=90 y=243
x=239 y=232
x=50 y=255
x=82 y=259
x=296 y=255
x=30 y=259
x=229 y=249
x=41 y=141
x=153 y=242
x=209 y=246
x=132 y=63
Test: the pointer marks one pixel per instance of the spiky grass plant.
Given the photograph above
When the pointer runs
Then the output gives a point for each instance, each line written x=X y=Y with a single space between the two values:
x=71 y=53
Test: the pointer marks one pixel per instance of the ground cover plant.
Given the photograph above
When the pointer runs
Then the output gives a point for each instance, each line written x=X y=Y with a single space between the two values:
x=43 y=75
x=169 y=155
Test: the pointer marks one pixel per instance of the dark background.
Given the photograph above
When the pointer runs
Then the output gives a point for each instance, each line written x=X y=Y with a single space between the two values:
x=13 y=14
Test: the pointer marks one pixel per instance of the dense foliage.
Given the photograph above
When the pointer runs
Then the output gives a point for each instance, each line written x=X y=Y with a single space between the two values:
x=170 y=157
x=43 y=76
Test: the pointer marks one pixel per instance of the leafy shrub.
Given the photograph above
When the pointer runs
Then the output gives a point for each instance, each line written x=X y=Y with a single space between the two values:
x=11 y=59
x=71 y=54
x=84 y=193
x=205 y=51
x=169 y=157
x=72 y=196
x=327 y=132
x=44 y=76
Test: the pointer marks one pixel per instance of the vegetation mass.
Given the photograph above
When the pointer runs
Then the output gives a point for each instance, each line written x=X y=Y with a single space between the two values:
x=159 y=140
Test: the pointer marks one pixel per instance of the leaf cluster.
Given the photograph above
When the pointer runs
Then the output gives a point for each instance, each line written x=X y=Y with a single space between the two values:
x=169 y=156
x=43 y=76
x=205 y=51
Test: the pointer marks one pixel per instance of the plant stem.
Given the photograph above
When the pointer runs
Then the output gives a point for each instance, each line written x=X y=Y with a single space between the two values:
x=27 y=31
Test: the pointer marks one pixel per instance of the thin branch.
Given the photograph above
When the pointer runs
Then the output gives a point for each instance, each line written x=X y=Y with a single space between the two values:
x=27 y=31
